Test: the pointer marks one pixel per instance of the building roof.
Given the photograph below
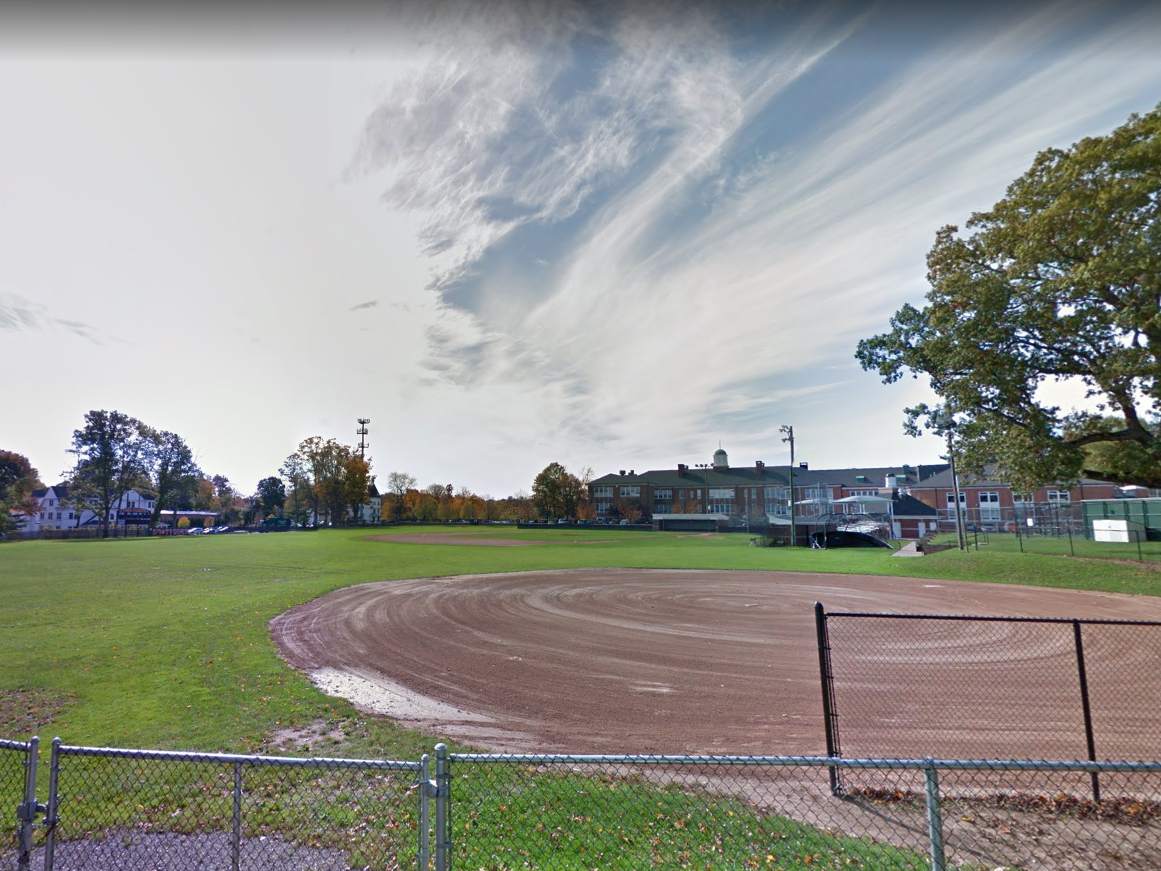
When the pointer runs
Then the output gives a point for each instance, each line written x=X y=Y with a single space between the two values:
x=730 y=477
x=60 y=491
x=750 y=476
x=989 y=479
x=909 y=506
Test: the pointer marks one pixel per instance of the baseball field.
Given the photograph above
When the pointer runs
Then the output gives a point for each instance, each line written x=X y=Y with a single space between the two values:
x=552 y=638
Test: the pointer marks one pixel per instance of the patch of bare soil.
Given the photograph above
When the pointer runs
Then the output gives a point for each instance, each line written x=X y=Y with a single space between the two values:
x=699 y=662
x=24 y=713
x=313 y=738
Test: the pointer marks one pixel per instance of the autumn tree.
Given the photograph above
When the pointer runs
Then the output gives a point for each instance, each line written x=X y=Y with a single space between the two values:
x=111 y=452
x=629 y=509
x=556 y=492
x=357 y=481
x=1059 y=282
x=398 y=483
x=18 y=481
x=324 y=463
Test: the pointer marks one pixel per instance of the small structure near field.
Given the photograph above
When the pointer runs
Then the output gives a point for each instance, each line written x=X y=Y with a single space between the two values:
x=690 y=522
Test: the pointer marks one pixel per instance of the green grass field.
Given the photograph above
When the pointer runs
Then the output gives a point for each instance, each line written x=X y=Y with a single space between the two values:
x=163 y=642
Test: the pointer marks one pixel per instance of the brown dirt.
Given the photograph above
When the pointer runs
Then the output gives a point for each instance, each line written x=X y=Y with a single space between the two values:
x=626 y=661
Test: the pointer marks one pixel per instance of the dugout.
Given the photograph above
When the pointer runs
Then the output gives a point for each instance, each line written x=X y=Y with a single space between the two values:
x=690 y=522
x=1145 y=513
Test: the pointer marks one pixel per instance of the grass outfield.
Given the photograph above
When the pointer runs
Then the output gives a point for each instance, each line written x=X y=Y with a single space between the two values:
x=163 y=642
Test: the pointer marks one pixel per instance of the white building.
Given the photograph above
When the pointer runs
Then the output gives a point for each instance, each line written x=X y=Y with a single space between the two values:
x=55 y=511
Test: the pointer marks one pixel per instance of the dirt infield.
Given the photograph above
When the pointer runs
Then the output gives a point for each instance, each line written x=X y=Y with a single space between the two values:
x=627 y=661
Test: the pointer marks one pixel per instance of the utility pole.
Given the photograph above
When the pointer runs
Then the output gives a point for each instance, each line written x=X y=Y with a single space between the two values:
x=361 y=432
x=959 y=530
x=789 y=430
x=944 y=424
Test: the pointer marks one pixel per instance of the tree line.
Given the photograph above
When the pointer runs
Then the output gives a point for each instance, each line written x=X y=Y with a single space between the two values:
x=113 y=453
x=323 y=482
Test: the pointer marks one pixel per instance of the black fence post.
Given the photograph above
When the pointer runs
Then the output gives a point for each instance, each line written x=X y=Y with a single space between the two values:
x=1084 y=701
x=829 y=716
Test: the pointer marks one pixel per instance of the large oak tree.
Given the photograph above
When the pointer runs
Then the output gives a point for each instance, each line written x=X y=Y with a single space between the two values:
x=1059 y=281
x=111 y=453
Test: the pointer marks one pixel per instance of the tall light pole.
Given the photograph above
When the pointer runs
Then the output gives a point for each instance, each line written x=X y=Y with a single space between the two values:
x=706 y=467
x=944 y=424
x=789 y=430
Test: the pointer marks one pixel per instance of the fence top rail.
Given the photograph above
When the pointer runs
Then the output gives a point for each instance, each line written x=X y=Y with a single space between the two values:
x=239 y=759
x=978 y=618
x=25 y=746
x=808 y=762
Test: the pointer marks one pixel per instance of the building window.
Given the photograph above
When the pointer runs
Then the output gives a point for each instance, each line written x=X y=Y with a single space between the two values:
x=598 y=492
x=666 y=493
x=864 y=492
x=818 y=493
x=1059 y=496
x=630 y=492
x=721 y=500
x=951 y=500
x=989 y=506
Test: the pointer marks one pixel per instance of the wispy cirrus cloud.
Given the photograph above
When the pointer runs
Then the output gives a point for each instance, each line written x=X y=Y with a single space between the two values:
x=18 y=313
x=665 y=195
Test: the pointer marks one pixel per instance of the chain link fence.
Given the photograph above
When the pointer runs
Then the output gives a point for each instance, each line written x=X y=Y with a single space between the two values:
x=897 y=685
x=17 y=789
x=130 y=809
x=560 y=813
x=1051 y=528
x=126 y=809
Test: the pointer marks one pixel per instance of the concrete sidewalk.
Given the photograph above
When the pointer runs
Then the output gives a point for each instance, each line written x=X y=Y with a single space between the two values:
x=911 y=548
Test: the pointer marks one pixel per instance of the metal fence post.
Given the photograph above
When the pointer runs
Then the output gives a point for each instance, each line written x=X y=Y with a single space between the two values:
x=934 y=817
x=52 y=806
x=442 y=805
x=26 y=813
x=236 y=836
x=1086 y=707
x=829 y=717
x=425 y=790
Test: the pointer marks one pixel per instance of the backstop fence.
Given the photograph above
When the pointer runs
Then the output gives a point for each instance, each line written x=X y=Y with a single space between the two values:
x=905 y=685
x=145 y=810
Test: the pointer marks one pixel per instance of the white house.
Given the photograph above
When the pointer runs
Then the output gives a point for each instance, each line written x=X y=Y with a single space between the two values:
x=54 y=511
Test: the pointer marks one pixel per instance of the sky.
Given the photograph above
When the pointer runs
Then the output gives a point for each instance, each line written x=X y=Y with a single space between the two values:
x=608 y=235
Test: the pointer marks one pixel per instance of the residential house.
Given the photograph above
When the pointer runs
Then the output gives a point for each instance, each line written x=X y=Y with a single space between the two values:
x=56 y=511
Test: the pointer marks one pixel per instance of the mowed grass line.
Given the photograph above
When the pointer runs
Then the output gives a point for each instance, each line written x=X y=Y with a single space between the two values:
x=164 y=643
